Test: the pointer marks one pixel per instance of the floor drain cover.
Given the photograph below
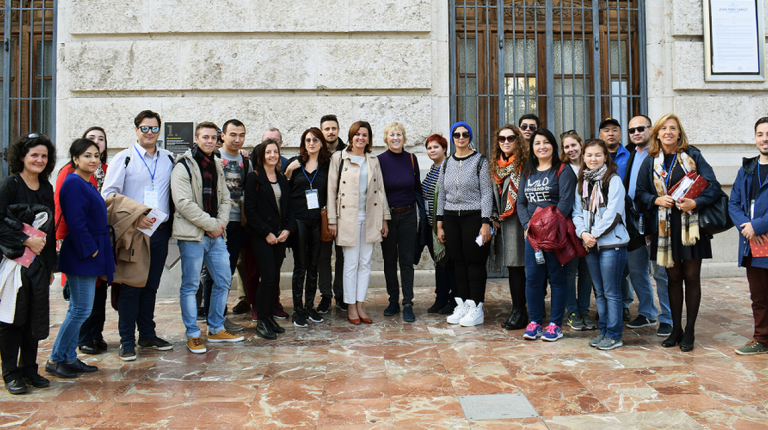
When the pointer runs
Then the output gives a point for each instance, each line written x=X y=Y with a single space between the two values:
x=497 y=406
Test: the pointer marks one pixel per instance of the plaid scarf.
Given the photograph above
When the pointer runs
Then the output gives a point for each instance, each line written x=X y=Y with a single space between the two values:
x=690 y=222
x=592 y=202
x=208 y=171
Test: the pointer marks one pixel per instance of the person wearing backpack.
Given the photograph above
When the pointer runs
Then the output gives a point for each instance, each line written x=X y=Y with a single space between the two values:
x=598 y=215
x=546 y=182
x=464 y=209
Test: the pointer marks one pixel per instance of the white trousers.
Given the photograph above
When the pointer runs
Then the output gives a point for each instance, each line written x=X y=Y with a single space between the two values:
x=357 y=266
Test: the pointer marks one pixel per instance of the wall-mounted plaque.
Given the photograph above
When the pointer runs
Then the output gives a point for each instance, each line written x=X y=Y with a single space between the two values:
x=179 y=136
x=734 y=40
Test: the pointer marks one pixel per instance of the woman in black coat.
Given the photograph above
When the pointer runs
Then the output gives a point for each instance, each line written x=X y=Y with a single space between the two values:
x=31 y=160
x=270 y=220
x=676 y=242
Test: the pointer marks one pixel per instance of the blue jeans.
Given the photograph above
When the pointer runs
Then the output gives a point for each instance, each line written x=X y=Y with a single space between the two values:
x=662 y=290
x=639 y=262
x=606 y=267
x=580 y=306
x=535 y=275
x=235 y=235
x=136 y=306
x=214 y=253
x=82 y=289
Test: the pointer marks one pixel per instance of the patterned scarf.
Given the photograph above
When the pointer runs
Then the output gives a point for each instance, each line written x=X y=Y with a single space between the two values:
x=594 y=200
x=506 y=168
x=690 y=222
x=99 y=175
x=208 y=171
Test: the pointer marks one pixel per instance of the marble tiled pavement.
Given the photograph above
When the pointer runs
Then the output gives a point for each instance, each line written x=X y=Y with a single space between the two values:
x=391 y=374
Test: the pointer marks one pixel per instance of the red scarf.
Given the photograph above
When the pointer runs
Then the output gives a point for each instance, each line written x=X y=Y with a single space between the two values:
x=502 y=171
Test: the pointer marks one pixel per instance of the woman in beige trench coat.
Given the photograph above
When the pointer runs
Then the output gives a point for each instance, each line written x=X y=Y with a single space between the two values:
x=357 y=214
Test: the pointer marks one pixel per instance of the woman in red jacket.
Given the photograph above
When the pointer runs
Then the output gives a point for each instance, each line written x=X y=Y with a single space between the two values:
x=91 y=340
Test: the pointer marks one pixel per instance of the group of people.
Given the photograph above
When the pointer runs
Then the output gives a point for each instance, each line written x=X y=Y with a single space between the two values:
x=565 y=218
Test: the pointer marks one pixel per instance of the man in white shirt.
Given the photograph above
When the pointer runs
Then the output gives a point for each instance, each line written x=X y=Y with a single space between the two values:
x=142 y=172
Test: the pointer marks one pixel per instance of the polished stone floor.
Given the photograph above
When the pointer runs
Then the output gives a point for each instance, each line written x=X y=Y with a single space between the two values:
x=391 y=374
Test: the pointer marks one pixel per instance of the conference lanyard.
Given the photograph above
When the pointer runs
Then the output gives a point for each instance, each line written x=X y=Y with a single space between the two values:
x=669 y=170
x=313 y=176
x=151 y=172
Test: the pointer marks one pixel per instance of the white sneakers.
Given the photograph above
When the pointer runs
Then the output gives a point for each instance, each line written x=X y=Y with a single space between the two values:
x=458 y=312
x=467 y=313
x=474 y=314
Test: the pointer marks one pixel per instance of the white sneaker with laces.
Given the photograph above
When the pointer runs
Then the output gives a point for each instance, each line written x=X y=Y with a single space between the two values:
x=458 y=312
x=474 y=316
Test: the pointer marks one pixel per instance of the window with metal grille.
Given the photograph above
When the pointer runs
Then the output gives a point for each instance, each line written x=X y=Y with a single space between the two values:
x=28 y=68
x=571 y=62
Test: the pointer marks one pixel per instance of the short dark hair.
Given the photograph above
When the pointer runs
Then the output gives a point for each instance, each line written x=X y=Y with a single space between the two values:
x=261 y=152
x=20 y=148
x=78 y=148
x=650 y=123
x=146 y=114
x=353 y=131
x=233 y=123
x=103 y=156
x=205 y=124
x=329 y=117
x=529 y=116
x=533 y=161
x=324 y=155
x=762 y=120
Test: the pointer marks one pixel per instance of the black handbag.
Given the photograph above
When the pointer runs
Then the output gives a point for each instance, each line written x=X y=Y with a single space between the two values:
x=714 y=219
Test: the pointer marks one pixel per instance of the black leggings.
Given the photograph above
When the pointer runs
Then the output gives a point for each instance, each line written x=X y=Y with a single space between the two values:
x=269 y=259
x=306 y=252
x=469 y=259
x=690 y=272
x=517 y=286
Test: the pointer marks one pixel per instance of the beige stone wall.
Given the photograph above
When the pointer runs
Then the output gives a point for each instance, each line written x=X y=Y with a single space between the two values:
x=718 y=117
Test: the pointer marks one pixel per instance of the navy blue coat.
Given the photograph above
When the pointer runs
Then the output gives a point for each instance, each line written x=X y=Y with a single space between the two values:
x=85 y=213
x=739 y=209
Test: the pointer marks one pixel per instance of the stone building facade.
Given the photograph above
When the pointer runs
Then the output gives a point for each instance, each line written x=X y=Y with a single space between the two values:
x=285 y=64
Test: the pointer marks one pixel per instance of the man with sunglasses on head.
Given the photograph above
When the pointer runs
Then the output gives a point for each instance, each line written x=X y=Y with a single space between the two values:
x=639 y=260
x=142 y=173
x=528 y=123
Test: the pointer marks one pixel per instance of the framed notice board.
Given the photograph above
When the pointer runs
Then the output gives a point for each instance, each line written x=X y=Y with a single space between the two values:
x=734 y=40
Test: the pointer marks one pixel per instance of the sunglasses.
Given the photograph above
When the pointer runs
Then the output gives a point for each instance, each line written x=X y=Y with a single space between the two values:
x=565 y=133
x=311 y=139
x=147 y=129
x=638 y=129
x=530 y=127
x=510 y=139
x=29 y=137
x=464 y=134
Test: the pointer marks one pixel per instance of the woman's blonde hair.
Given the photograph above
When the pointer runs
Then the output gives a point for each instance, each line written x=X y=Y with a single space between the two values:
x=573 y=135
x=682 y=140
x=394 y=126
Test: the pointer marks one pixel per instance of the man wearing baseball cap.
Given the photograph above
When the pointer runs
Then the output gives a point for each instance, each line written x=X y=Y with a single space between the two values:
x=610 y=133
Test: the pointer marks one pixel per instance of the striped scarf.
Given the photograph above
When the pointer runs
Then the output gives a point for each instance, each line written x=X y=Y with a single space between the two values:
x=689 y=222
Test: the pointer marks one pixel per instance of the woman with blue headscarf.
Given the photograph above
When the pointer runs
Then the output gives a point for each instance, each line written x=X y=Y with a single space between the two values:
x=464 y=208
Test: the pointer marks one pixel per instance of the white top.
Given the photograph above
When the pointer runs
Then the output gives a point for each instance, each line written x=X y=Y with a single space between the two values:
x=363 y=193
x=132 y=180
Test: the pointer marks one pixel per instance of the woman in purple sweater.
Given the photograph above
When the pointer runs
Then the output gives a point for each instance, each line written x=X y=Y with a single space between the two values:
x=400 y=171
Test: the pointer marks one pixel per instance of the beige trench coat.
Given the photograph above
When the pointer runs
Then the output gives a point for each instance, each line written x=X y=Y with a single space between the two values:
x=343 y=203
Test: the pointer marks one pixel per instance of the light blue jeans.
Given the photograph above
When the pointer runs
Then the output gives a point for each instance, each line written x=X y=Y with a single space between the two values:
x=639 y=263
x=82 y=289
x=216 y=257
x=606 y=267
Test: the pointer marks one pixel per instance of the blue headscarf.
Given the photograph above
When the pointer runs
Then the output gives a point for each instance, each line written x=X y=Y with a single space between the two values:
x=462 y=124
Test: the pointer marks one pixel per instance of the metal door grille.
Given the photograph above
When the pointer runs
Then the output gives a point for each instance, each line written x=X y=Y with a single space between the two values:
x=29 y=68
x=571 y=62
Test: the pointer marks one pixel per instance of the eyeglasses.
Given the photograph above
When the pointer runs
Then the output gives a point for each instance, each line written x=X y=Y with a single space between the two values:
x=566 y=133
x=510 y=139
x=530 y=127
x=638 y=129
x=464 y=134
x=147 y=129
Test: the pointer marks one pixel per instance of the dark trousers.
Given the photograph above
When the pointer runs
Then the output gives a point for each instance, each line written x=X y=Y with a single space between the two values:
x=758 y=290
x=535 y=276
x=324 y=272
x=306 y=252
x=92 y=328
x=235 y=235
x=269 y=259
x=136 y=306
x=398 y=249
x=469 y=259
x=445 y=277
x=18 y=350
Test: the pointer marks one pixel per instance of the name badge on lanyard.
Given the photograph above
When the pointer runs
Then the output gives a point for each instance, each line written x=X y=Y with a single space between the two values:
x=150 y=197
x=312 y=201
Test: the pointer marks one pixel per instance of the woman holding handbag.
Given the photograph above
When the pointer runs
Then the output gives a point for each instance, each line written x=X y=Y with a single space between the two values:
x=676 y=240
x=308 y=179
